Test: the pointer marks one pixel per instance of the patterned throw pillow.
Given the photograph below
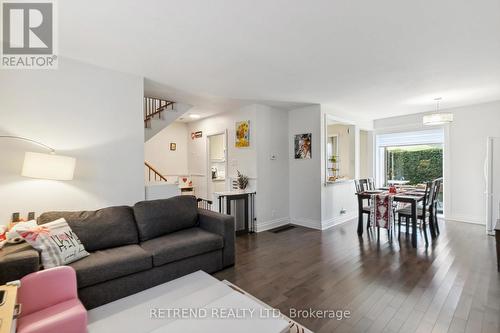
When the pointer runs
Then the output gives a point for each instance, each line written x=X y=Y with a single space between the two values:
x=58 y=244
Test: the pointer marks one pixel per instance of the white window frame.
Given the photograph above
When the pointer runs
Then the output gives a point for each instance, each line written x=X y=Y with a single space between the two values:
x=407 y=138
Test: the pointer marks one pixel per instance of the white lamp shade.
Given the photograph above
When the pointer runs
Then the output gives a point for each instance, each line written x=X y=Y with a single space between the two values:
x=438 y=119
x=48 y=166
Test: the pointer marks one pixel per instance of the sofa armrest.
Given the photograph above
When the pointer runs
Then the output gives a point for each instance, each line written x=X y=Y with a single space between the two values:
x=223 y=225
x=17 y=261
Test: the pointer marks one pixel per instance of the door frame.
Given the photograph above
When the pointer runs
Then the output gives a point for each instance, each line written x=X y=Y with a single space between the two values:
x=488 y=174
x=207 y=161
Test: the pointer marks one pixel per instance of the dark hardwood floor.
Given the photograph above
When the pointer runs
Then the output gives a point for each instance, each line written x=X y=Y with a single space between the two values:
x=452 y=286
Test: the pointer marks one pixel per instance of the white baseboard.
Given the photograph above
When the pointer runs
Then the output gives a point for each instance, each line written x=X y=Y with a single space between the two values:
x=305 y=222
x=326 y=224
x=266 y=225
x=465 y=219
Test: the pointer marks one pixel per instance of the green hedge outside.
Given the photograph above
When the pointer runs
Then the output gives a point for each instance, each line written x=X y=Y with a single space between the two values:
x=417 y=166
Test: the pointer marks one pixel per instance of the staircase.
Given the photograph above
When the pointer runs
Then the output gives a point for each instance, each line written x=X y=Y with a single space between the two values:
x=153 y=175
x=159 y=113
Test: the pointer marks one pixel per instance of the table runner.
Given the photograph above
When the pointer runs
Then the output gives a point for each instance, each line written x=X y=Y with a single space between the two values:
x=381 y=209
x=381 y=213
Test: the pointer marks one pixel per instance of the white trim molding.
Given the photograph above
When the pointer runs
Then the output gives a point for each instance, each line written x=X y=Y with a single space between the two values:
x=465 y=219
x=271 y=224
x=327 y=224
x=308 y=223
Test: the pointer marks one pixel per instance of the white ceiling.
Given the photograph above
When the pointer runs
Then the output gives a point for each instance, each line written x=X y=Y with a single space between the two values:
x=370 y=58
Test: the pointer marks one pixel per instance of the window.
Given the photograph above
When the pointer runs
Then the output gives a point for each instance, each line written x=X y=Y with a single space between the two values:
x=413 y=164
x=410 y=158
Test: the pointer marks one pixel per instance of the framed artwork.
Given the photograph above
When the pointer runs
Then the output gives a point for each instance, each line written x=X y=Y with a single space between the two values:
x=242 y=134
x=173 y=146
x=303 y=146
x=196 y=135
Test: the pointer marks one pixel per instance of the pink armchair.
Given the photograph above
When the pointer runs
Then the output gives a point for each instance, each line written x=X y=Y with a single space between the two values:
x=50 y=303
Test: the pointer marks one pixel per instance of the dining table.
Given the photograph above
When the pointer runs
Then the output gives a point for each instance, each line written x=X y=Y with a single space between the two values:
x=411 y=196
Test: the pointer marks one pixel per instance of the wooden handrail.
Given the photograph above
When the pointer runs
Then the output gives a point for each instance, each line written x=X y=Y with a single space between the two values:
x=156 y=174
x=155 y=106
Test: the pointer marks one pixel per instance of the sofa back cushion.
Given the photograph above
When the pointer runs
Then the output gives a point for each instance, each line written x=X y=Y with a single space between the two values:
x=159 y=217
x=101 y=229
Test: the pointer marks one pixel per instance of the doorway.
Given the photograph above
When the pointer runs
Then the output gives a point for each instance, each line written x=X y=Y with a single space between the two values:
x=216 y=164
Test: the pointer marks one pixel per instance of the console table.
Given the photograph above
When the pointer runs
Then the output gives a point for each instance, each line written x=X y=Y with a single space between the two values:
x=248 y=197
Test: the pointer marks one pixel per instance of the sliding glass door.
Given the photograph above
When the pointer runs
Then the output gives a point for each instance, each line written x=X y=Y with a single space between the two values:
x=413 y=164
x=410 y=158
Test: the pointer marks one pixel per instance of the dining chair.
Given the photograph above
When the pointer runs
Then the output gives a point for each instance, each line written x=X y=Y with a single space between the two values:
x=371 y=184
x=424 y=213
x=363 y=185
x=438 y=183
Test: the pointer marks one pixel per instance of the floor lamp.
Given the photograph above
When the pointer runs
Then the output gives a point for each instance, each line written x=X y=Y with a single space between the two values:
x=45 y=166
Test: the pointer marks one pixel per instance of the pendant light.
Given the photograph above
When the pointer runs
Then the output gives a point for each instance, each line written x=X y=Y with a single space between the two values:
x=437 y=118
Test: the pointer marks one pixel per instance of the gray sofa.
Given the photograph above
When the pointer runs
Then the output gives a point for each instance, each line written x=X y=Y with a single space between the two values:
x=135 y=248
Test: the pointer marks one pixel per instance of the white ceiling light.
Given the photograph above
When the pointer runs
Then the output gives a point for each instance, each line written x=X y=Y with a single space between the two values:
x=194 y=116
x=437 y=118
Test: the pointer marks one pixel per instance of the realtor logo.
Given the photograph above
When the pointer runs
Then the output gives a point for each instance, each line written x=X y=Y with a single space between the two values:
x=28 y=35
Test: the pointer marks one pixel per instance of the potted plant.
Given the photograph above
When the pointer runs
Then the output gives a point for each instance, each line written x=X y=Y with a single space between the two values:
x=242 y=181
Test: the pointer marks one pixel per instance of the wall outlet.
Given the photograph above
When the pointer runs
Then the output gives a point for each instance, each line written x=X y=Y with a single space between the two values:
x=15 y=217
x=273 y=157
x=273 y=213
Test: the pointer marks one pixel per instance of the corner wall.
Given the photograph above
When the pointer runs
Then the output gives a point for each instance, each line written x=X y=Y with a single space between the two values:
x=83 y=111
x=305 y=175
x=273 y=209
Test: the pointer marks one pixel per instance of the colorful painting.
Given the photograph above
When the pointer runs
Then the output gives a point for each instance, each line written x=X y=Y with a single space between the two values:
x=196 y=135
x=303 y=146
x=242 y=134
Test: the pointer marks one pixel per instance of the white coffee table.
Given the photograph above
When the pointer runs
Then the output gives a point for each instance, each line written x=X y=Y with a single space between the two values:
x=199 y=291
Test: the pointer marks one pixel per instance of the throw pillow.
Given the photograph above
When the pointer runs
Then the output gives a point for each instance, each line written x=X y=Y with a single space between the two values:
x=58 y=244
x=13 y=236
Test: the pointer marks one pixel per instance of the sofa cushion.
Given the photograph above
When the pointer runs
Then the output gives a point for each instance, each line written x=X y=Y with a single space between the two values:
x=57 y=243
x=110 y=264
x=101 y=229
x=159 y=217
x=182 y=244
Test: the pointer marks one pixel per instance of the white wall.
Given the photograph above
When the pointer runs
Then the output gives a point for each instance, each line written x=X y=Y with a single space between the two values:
x=306 y=174
x=465 y=152
x=366 y=154
x=268 y=136
x=242 y=159
x=273 y=160
x=157 y=150
x=82 y=111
